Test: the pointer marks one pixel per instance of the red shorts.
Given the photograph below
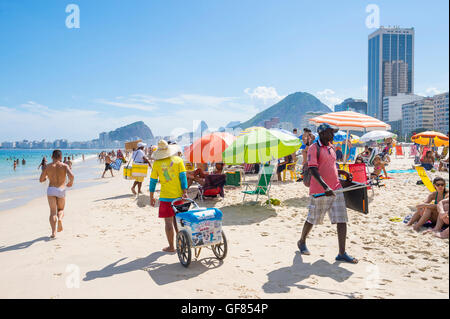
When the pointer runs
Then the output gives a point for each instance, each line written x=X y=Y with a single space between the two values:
x=166 y=210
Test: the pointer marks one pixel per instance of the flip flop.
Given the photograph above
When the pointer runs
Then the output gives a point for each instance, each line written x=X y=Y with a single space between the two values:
x=395 y=219
x=303 y=249
x=347 y=258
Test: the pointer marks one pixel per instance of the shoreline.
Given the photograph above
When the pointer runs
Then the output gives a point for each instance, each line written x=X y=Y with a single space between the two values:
x=26 y=188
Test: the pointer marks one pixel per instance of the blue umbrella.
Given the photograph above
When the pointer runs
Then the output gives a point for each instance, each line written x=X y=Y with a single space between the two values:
x=340 y=136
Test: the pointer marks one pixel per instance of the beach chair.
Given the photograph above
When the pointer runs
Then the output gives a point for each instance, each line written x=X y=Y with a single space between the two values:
x=291 y=168
x=189 y=166
x=369 y=161
x=412 y=151
x=399 y=151
x=214 y=184
x=425 y=178
x=352 y=154
x=359 y=174
x=263 y=185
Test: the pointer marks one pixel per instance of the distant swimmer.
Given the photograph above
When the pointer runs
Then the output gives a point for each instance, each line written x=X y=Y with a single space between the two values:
x=56 y=192
x=23 y=161
x=69 y=162
x=15 y=165
x=82 y=157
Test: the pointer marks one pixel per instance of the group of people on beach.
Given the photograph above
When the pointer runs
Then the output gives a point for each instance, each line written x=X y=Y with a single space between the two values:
x=318 y=154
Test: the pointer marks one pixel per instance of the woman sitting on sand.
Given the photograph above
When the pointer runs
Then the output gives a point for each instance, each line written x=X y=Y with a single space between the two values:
x=379 y=166
x=427 y=210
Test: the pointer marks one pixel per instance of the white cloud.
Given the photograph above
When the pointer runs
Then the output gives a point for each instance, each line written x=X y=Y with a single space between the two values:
x=433 y=91
x=328 y=97
x=128 y=105
x=263 y=96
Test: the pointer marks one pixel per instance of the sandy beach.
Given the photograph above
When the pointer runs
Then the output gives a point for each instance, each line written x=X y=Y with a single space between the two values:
x=111 y=248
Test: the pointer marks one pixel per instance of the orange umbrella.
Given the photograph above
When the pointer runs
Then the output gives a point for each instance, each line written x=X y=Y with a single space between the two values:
x=209 y=148
x=351 y=121
x=430 y=137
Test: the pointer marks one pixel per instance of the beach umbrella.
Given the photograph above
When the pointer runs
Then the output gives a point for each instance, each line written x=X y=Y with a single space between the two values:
x=260 y=146
x=208 y=148
x=351 y=121
x=430 y=138
x=376 y=135
x=250 y=129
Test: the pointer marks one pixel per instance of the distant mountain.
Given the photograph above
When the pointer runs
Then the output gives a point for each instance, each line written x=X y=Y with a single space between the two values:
x=290 y=109
x=233 y=124
x=130 y=132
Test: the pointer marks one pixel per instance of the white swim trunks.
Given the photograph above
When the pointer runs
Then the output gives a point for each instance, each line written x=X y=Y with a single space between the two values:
x=57 y=192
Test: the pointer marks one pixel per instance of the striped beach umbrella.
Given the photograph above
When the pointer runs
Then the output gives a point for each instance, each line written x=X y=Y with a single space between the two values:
x=351 y=121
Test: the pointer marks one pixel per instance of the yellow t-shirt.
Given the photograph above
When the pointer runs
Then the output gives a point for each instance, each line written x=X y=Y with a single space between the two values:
x=168 y=172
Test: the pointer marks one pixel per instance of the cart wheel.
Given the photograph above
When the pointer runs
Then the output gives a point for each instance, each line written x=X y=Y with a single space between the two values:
x=220 y=250
x=184 y=248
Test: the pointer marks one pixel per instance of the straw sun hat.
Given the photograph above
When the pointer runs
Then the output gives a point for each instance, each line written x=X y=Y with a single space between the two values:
x=165 y=150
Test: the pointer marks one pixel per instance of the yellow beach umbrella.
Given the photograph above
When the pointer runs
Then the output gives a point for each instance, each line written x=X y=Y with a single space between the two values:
x=430 y=138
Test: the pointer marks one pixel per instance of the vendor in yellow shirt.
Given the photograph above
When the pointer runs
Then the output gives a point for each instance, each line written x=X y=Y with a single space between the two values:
x=171 y=173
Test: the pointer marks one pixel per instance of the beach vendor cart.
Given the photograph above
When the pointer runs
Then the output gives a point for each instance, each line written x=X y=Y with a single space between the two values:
x=198 y=228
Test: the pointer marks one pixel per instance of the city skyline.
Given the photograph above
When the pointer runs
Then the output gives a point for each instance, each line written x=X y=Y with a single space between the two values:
x=150 y=61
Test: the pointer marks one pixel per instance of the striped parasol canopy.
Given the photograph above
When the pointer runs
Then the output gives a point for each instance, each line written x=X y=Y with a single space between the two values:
x=351 y=121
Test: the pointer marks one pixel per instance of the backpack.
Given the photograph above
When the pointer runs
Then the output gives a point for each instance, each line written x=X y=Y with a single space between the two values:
x=305 y=170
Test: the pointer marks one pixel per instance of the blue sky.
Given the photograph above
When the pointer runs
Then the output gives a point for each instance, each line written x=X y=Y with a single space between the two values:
x=169 y=63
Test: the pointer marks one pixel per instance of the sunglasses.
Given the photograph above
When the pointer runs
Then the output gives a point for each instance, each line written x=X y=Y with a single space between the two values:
x=440 y=185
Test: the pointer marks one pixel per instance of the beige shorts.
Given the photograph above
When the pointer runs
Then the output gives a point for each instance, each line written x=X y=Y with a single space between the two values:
x=334 y=205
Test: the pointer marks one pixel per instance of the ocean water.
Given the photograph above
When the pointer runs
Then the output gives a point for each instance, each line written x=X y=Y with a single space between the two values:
x=22 y=185
x=32 y=160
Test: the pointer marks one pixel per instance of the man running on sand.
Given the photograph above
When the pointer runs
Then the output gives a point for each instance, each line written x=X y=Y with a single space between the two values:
x=170 y=171
x=56 y=192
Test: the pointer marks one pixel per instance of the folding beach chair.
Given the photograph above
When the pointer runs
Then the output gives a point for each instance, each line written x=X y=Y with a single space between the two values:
x=264 y=184
x=359 y=174
x=369 y=161
x=399 y=151
x=214 y=184
x=425 y=178
x=352 y=154
x=291 y=168
x=412 y=151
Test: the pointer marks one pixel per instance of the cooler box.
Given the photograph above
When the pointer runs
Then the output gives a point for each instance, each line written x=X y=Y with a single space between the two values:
x=139 y=170
x=203 y=225
x=233 y=178
x=127 y=172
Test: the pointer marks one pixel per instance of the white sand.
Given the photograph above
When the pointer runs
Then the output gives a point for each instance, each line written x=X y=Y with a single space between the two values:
x=111 y=248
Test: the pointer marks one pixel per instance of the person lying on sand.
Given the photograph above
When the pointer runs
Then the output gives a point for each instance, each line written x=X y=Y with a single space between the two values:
x=56 y=173
x=427 y=210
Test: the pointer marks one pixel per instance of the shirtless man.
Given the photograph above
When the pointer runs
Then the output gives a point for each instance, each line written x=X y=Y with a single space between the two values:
x=56 y=192
x=108 y=162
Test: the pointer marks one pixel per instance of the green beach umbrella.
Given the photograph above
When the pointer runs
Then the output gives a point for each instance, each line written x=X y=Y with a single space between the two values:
x=260 y=146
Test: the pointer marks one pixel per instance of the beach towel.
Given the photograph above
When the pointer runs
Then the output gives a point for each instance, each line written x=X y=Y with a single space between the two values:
x=425 y=179
x=117 y=164
x=398 y=171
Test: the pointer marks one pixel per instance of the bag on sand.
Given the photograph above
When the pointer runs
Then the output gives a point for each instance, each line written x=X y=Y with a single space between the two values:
x=305 y=170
